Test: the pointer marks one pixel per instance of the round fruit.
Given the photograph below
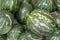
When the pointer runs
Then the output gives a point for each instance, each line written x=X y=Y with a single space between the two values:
x=54 y=36
x=54 y=6
x=19 y=1
x=26 y=1
x=0 y=4
x=40 y=22
x=28 y=36
x=11 y=5
x=1 y=38
x=57 y=2
x=25 y=9
x=56 y=14
x=42 y=4
x=6 y=21
x=15 y=32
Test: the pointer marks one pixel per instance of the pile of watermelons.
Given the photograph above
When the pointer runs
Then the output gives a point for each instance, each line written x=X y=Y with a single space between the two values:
x=29 y=19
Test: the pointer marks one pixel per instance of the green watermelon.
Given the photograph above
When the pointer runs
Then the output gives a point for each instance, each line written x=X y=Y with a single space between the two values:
x=56 y=14
x=40 y=22
x=43 y=4
x=2 y=37
x=19 y=1
x=15 y=32
x=57 y=2
x=25 y=9
x=11 y=5
x=28 y=36
x=54 y=6
x=0 y=4
x=26 y=1
x=54 y=36
x=6 y=21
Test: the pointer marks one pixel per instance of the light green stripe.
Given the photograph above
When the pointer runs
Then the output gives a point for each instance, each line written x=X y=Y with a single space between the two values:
x=11 y=5
x=43 y=17
x=47 y=27
x=46 y=14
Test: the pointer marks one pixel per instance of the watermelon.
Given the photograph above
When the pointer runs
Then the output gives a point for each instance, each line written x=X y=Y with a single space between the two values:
x=54 y=7
x=6 y=21
x=0 y=4
x=57 y=2
x=26 y=1
x=43 y=4
x=40 y=22
x=19 y=1
x=56 y=14
x=54 y=36
x=25 y=9
x=28 y=36
x=10 y=5
x=15 y=32
x=2 y=37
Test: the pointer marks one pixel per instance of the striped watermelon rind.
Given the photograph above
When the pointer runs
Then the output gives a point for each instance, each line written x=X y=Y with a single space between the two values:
x=40 y=22
x=6 y=21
